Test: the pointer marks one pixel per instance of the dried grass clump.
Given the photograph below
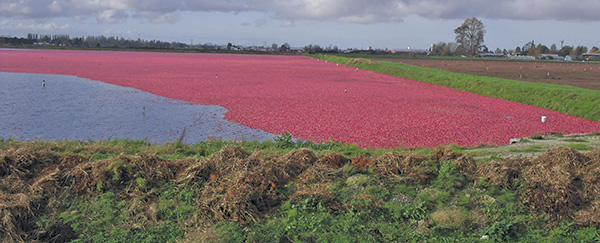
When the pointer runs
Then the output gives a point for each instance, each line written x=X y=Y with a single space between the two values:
x=589 y=216
x=450 y=218
x=593 y=156
x=26 y=162
x=5 y=168
x=390 y=164
x=48 y=178
x=297 y=161
x=361 y=163
x=446 y=154
x=198 y=173
x=501 y=173
x=245 y=187
x=334 y=160
x=555 y=182
x=466 y=165
x=415 y=168
x=16 y=212
x=591 y=177
x=69 y=161
x=121 y=174
x=317 y=173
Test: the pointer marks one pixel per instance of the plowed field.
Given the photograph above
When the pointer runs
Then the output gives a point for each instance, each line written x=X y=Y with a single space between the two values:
x=578 y=74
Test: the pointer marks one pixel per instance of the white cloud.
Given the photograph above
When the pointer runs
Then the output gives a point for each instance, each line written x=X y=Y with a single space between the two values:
x=158 y=17
x=287 y=23
x=9 y=25
x=261 y=22
x=112 y=16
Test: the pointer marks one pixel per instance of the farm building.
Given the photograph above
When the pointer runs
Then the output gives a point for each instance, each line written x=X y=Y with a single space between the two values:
x=591 y=56
x=551 y=57
x=491 y=54
x=409 y=51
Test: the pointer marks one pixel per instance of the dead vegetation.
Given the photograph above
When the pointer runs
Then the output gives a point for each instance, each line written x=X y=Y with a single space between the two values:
x=561 y=183
x=234 y=185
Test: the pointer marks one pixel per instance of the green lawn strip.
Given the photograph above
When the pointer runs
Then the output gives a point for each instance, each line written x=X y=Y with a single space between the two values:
x=565 y=99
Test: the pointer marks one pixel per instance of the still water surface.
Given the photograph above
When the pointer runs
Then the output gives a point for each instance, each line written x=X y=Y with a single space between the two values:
x=69 y=107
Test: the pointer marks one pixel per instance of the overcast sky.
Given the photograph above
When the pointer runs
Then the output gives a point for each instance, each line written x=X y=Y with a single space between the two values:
x=393 y=24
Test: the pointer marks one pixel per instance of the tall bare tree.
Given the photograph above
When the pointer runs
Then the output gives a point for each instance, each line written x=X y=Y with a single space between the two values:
x=470 y=35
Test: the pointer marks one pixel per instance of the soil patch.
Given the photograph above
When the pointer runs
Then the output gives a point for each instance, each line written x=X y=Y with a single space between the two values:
x=578 y=74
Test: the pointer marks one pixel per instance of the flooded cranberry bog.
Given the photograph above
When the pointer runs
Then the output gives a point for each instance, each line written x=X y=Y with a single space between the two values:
x=309 y=98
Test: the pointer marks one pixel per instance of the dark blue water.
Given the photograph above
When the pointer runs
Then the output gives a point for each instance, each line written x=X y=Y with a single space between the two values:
x=80 y=109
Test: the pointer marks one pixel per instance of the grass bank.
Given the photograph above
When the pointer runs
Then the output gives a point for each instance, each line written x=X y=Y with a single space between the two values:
x=285 y=190
x=570 y=100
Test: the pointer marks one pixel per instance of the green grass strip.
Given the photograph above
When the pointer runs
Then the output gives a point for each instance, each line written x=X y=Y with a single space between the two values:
x=583 y=103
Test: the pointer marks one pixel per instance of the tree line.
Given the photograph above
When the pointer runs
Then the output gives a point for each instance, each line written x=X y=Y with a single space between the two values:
x=88 y=41
x=470 y=41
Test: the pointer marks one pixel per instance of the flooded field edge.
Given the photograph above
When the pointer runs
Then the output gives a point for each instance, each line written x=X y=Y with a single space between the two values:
x=56 y=107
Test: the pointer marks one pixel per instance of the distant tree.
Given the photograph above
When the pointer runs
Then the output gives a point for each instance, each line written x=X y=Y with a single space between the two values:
x=438 y=48
x=274 y=46
x=313 y=48
x=578 y=51
x=594 y=49
x=229 y=45
x=470 y=35
x=518 y=51
x=540 y=49
x=565 y=51
x=285 y=47
x=553 y=49
x=460 y=49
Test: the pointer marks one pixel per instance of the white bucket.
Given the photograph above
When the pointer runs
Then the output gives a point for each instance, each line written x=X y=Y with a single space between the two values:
x=543 y=118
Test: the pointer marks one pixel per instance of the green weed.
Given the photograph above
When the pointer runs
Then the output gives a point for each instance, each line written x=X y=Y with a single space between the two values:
x=531 y=148
x=580 y=146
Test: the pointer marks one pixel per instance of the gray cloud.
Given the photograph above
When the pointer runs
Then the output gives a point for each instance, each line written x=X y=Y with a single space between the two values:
x=345 y=11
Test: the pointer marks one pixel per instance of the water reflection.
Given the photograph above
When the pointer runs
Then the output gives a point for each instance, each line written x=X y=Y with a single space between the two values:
x=68 y=107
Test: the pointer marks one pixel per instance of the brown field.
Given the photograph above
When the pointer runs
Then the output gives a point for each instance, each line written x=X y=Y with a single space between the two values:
x=584 y=75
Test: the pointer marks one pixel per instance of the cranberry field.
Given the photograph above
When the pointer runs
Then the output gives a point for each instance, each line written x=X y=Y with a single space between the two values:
x=308 y=98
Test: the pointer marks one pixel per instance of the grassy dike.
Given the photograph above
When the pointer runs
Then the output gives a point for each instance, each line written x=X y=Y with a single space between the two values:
x=570 y=100
x=292 y=191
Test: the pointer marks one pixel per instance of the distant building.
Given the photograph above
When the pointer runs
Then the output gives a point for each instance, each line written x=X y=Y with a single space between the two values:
x=522 y=57
x=409 y=51
x=551 y=57
x=491 y=54
x=591 y=56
